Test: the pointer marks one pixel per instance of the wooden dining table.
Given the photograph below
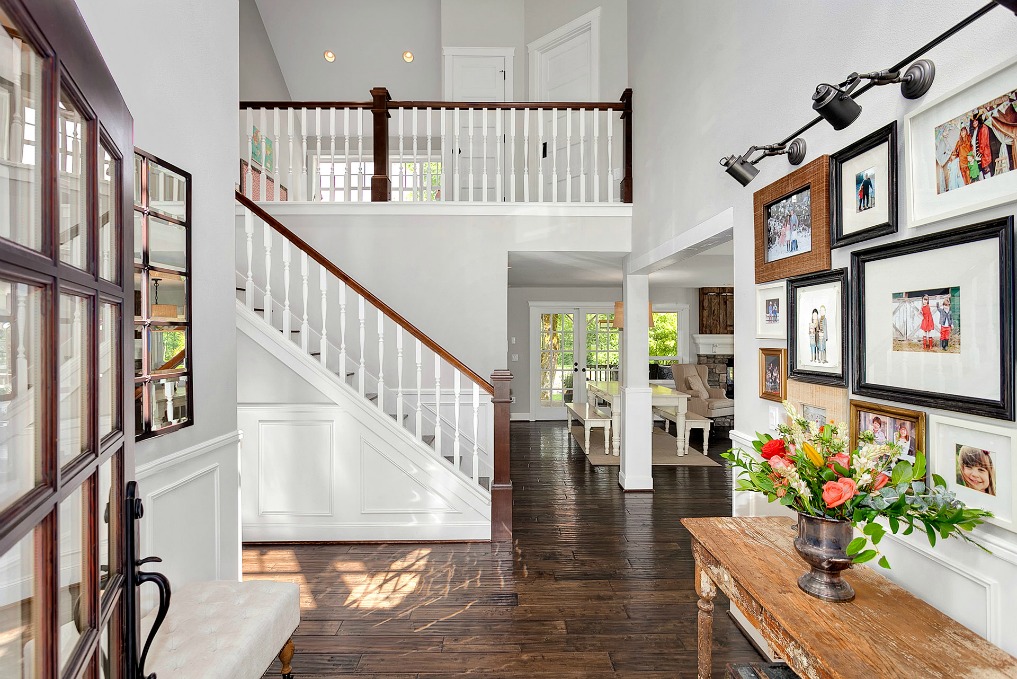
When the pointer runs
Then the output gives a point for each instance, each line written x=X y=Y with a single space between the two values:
x=660 y=396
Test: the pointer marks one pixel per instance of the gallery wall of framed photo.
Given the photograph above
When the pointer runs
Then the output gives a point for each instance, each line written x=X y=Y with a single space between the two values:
x=897 y=296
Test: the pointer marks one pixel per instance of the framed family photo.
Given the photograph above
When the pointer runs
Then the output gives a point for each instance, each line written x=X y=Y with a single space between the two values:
x=818 y=403
x=899 y=427
x=960 y=148
x=817 y=327
x=773 y=374
x=863 y=188
x=771 y=310
x=792 y=226
x=976 y=461
x=933 y=320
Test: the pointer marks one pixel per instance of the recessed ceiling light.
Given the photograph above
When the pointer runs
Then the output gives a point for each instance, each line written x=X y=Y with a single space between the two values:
x=407 y=56
x=329 y=56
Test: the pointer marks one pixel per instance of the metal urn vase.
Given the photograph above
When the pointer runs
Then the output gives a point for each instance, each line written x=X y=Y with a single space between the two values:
x=823 y=544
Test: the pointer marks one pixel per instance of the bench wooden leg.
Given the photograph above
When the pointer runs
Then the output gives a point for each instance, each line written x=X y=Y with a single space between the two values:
x=607 y=437
x=706 y=438
x=587 y=427
x=285 y=657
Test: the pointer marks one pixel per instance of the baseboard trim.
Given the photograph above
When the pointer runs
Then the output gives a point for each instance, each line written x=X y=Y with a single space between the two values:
x=187 y=453
x=521 y=417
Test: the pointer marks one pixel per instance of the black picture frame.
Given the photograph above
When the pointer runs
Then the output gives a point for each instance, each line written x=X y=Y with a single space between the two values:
x=1000 y=229
x=884 y=135
x=793 y=286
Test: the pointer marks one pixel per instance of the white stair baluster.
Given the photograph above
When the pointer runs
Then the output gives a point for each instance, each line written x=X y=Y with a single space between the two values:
x=286 y=324
x=483 y=183
x=568 y=155
x=429 y=179
x=342 y=331
x=596 y=155
x=362 y=369
x=400 y=175
x=289 y=155
x=417 y=179
x=476 y=430
x=399 y=375
x=267 y=311
x=437 y=404
x=470 y=196
x=275 y=153
x=360 y=159
x=248 y=177
x=315 y=182
x=512 y=155
x=381 y=361
x=418 y=424
x=302 y=192
x=526 y=155
x=323 y=288
x=456 y=447
x=457 y=156
x=541 y=145
x=553 y=147
x=263 y=175
x=249 y=233
x=331 y=157
x=305 y=330
x=346 y=154
x=610 y=155
x=582 y=155
x=445 y=157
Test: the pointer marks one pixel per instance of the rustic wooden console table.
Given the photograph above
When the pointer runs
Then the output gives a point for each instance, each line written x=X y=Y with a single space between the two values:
x=884 y=632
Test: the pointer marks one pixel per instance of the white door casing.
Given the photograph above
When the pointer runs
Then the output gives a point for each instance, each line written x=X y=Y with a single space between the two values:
x=564 y=65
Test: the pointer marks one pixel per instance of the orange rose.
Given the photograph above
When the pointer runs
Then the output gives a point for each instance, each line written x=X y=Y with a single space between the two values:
x=836 y=493
x=881 y=481
x=843 y=459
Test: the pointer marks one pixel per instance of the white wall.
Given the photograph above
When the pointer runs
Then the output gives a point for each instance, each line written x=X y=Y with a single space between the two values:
x=712 y=67
x=487 y=23
x=261 y=79
x=519 y=299
x=368 y=39
x=542 y=17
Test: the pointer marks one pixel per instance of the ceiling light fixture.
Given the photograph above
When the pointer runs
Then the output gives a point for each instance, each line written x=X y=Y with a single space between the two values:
x=407 y=56
x=835 y=104
x=744 y=170
x=329 y=56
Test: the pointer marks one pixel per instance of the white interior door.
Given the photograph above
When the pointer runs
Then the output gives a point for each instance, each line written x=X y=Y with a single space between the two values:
x=477 y=78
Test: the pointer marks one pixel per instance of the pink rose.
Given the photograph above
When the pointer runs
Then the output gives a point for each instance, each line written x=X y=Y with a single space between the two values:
x=836 y=493
x=843 y=459
x=779 y=462
x=881 y=481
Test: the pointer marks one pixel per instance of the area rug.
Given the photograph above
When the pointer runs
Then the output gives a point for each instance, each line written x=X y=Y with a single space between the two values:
x=664 y=449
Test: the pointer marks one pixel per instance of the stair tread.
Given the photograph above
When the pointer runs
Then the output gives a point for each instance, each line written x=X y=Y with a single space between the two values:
x=428 y=439
x=371 y=396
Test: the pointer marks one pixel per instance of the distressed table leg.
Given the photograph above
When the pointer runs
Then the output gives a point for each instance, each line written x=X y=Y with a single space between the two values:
x=707 y=590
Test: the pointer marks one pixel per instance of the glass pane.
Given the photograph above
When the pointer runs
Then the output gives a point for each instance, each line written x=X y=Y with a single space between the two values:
x=167 y=345
x=139 y=291
x=167 y=191
x=139 y=410
x=17 y=616
x=139 y=350
x=167 y=296
x=138 y=243
x=167 y=244
x=72 y=138
x=20 y=405
x=109 y=369
x=169 y=401
x=107 y=518
x=138 y=165
x=75 y=367
x=108 y=666
x=109 y=215
x=72 y=597
x=21 y=177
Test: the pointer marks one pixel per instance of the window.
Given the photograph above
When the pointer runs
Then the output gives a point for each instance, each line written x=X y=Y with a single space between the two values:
x=664 y=338
x=350 y=181
x=162 y=297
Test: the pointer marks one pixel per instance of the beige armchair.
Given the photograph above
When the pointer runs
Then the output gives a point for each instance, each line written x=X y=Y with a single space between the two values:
x=706 y=401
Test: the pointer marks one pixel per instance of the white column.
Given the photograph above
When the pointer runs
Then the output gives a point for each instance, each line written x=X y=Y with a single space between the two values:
x=637 y=416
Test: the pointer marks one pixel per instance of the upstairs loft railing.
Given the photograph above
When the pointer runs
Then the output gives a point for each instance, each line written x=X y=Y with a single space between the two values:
x=435 y=151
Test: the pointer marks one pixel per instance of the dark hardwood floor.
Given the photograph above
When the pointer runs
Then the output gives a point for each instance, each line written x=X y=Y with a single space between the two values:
x=597 y=583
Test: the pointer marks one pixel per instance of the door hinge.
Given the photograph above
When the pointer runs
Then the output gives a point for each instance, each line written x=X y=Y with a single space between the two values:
x=503 y=76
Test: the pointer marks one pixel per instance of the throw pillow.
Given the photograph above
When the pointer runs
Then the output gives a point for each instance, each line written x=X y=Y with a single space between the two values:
x=696 y=386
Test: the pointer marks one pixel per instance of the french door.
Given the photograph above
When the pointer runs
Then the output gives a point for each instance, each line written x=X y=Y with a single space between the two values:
x=66 y=440
x=570 y=346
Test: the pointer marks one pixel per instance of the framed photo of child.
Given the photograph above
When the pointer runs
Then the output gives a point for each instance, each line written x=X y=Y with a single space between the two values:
x=773 y=374
x=863 y=188
x=817 y=327
x=771 y=310
x=933 y=320
x=900 y=427
x=976 y=460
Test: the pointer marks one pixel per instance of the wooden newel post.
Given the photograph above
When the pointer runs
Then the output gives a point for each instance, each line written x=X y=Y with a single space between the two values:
x=626 y=116
x=501 y=485
x=381 y=183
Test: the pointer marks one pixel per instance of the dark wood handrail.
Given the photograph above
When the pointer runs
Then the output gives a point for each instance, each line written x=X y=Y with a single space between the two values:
x=304 y=104
x=174 y=362
x=363 y=292
x=518 y=105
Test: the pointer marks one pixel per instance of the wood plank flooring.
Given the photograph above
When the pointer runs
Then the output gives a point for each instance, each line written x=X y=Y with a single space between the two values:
x=597 y=583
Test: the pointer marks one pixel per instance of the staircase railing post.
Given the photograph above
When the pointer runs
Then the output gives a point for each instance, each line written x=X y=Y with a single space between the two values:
x=381 y=183
x=501 y=485
x=626 y=184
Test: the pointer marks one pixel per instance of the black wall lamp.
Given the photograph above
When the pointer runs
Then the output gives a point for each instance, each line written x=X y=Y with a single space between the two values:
x=744 y=170
x=835 y=104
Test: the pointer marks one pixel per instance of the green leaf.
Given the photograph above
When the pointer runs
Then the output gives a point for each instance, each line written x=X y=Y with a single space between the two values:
x=884 y=563
x=843 y=471
x=855 y=546
x=871 y=529
x=931 y=533
x=939 y=481
x=919 y=472
x=894 y=524
x=902 y=473
x=828 y=474
x=867 y=555
x=758 y=445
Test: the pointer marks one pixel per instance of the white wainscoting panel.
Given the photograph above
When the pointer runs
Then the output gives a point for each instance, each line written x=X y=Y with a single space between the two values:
x=281 y=468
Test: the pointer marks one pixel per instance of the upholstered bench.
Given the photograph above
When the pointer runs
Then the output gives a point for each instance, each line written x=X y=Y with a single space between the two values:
x=226 y=630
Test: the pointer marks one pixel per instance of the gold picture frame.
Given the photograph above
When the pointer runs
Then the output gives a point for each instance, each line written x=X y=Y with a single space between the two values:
x=890 y=417
x=770 y=370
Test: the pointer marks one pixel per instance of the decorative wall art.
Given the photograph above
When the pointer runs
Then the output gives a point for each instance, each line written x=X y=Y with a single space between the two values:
x=792 y=223
x=933 y=320
x=820 y=403
x=257 y=147
x=889 y=425
x=771 y=310
x=960 y=148
x=817 y=327
x=976 y=460
x=773 y=374
x=863 y=188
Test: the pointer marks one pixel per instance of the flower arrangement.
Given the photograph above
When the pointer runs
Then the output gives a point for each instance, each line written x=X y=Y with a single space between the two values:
x=811 y=469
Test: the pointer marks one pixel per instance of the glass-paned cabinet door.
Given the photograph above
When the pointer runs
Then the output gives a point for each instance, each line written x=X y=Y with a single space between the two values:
x=19 y=653
x=109 y=217
x=73 y=174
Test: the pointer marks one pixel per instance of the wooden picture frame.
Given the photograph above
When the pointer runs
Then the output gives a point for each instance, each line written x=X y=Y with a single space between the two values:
x=833 y=400
x=766 y=366
x=870 y=162
x=898 y=359
x=890 y=417
x=771 y=310
x=814 y=178
x=827 y=360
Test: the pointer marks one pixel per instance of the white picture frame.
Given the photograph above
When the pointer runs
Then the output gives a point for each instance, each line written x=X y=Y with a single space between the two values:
x=929 y=198
x=769 y=325
x=947 y=434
